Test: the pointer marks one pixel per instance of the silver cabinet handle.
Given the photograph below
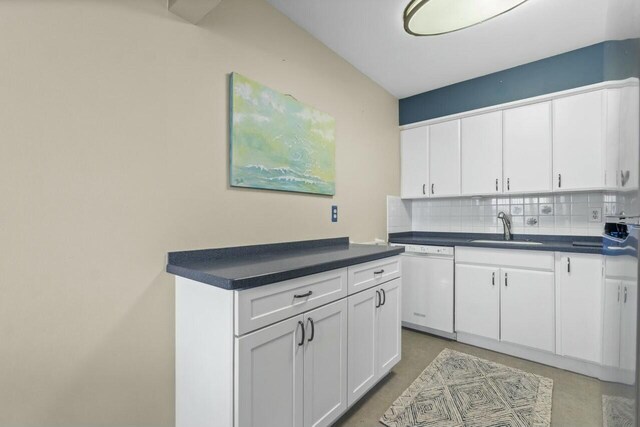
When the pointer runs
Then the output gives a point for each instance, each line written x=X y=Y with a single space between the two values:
x=423 y=188
x=496 y=184
x=625 y=294
x=506 y=279
x=493 y=278
x=568 y=265
x=432 y=191
x=508 y=184
x=559 y=180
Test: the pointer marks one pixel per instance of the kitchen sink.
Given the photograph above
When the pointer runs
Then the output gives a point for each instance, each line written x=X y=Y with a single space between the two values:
x=507 y=242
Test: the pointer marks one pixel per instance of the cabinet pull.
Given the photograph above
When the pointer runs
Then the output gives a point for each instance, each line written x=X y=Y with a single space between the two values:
x=423 y=188
x=301 y=325
x=496 y=184
x=568 y=265
x=618 y=293
x=306 y=294
x=313 y=329
x=378 y=299
x=508 y=184
x=559 y=180
x=493 y=278
x=506 y=279
x=432 y=191
x=625 y=294
x=384 y=297
x=379 y=271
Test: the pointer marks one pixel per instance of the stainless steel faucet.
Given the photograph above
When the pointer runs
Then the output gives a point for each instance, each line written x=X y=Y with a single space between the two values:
x=506 y=222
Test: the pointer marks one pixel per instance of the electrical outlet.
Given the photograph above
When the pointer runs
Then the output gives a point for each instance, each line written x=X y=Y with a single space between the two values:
x=334 y=213
x=595 y=215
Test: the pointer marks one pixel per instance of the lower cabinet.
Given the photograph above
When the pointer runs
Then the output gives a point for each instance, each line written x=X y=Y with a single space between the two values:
x=374 y=337
x=579 y=319
x=478 y=300
x=504 y=303
x=298 y=366
x=512 y=302
x=620 y=324
x=527 y=308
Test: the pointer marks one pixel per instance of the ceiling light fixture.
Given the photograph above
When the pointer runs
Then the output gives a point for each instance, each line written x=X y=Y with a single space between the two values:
x=433 y=17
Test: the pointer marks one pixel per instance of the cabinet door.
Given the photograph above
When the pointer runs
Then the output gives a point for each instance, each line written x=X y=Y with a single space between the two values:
x=612 y=139
x=361 y=372
x=527 y=148
x=629 y=138
x=388 y=326
x=579 y=284
x=611 y=323
x=481 y=154
x=269 y=376
x=414 y=162
x=527 y=308
x=628 y=325
x=478 y=300
x=444 y=159
x=325 y=364
x=578 y=141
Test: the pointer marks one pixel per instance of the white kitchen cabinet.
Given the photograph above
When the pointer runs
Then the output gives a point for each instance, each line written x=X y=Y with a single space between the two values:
x=527 y=308
x=629 y=138
x=444 y=159
x=579 y=132
x=478 y=300
x=579 y=318
x=388 y=325
x=628 y=324
x=269 y=374
x=325 y=364
x=527 y=148
x=374 y=338
x=362 y=343
x=414 y=162
x=481 y=154
x=612 y=139
x=611 y=322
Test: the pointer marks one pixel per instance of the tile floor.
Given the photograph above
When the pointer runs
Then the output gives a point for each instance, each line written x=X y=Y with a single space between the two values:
x=577 y=399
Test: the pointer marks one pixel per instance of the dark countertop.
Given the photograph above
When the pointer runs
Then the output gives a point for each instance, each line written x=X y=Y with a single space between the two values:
x=250 y=266
x=576 y=244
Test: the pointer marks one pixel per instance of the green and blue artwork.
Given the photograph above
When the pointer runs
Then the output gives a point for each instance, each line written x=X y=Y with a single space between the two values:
x=278 y=143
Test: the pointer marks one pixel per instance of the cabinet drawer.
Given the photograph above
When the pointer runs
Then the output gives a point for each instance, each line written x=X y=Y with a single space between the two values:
x=264 y=305
x=539 y=260
x=368 y=274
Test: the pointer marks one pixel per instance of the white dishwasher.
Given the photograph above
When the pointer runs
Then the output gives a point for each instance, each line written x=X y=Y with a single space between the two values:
x=427 y=289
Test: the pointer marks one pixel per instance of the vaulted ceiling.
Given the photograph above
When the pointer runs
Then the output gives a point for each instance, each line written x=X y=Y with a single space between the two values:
x=369 y=34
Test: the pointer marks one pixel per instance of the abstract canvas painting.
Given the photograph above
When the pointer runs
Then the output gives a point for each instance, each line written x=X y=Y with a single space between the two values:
x=277 y=142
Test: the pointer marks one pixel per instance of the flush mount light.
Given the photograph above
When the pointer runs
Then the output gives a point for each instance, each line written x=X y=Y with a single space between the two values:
x=433 y=17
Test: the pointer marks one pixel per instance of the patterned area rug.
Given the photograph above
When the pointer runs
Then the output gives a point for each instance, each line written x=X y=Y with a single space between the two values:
x=617 y=411
x=457 y=389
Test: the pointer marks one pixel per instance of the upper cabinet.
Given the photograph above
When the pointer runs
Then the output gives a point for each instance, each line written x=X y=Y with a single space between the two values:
x=414 y=159
x=444 y=159
x=527 y=148
x=585 y=139
x=629 y=147
x=481 y=154
x=579 y=135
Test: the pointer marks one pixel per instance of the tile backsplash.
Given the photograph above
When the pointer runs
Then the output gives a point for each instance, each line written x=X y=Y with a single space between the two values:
x=567 y=213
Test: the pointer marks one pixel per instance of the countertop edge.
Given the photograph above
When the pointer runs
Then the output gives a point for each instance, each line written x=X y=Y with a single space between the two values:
x=278 y=276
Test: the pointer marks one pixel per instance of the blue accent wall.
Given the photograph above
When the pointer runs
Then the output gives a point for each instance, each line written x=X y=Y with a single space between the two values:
x=610 y=60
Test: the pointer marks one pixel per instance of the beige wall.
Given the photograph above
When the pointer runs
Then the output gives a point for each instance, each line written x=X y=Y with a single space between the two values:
x=113 y=151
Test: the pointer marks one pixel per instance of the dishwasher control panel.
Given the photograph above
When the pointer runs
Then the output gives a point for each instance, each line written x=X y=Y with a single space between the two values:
x=428 y=250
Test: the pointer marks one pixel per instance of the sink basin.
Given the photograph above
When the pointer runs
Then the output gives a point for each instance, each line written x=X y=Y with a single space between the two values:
x=507 y=242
